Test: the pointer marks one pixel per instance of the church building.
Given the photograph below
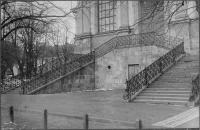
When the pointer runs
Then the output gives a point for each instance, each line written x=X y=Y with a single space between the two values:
x=136 y=24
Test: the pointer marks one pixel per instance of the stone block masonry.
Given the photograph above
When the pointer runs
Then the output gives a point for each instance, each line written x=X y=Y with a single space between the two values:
x=111 y=70
x=83 y=79
x=108 y=72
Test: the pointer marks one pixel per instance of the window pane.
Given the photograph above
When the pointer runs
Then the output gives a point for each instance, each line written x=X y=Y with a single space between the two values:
x=100 y=6
x=111 y=20
x=111 y=5
x=111 y=27
x=102 y=28
x=107 y=20
x=103 y=22
x=107 y=13
x=103 y=6
x=114 y=27
x=103 y=14
x=107 y=6
x=114 y=19
x=107 y=27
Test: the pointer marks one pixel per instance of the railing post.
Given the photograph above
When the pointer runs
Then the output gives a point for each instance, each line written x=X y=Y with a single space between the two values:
x=45 y=119
x=23 y=88
x=173 y=55
x=128 y=91
x=85 y=122
x=146 y=82
x=11 y=114
x=160 y=65
x=138 y=124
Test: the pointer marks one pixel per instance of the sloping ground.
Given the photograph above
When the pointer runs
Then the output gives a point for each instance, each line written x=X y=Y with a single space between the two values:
x=173 y=87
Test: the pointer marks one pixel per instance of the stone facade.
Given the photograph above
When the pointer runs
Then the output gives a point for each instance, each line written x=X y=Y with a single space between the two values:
x=129 y=18
x=114 y=77
x=111 y=70
x=82 y=79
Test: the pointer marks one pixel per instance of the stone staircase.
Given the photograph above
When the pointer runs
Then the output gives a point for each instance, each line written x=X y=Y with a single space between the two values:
x=172 y=87
x=15 y=91
x=57 y=71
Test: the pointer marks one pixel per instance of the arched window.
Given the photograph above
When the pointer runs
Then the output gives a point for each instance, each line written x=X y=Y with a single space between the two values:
x=107 y=16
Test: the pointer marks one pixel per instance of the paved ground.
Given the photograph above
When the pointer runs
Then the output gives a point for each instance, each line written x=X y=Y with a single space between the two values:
x=100 y=104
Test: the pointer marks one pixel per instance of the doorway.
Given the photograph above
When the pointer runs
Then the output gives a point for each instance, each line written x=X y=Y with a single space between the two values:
x=133 y=69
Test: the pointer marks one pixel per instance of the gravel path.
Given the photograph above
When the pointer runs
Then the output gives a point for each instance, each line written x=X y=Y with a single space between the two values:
x=100 y=104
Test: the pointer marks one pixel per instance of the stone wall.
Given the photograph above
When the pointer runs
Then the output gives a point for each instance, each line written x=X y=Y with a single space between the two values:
x=100 y=76
x=82 y=79
x=118 y=60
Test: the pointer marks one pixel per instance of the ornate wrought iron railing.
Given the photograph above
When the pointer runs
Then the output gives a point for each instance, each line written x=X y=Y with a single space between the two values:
x=145 y=77
x=194 y=89
x=148 y=39
x=18 y=80
x=54 y=70
x=57 y=72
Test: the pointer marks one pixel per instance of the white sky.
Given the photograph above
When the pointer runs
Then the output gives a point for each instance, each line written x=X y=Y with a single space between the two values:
x=67 y=5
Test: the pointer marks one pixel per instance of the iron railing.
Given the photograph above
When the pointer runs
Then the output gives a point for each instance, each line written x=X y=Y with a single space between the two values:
x=148 y=39
x=194 y=89
x=56 y=72
x=145 y=77
x=20 y=79
x=54 y=69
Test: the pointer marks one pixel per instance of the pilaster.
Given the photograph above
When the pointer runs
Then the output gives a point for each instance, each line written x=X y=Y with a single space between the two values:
x=124 y=14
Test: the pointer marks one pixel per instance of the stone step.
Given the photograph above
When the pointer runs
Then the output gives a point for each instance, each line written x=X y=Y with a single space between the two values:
x=168 y=89
x=164 y=95
x=181 y=74
x=168 y=102
x=171 y=81
x=166 y=92
x=156 y=83
x=185 y=64
x=163 y=98
x=165 y=86
x=174 y=79
x=12 y=93
x=176 y=76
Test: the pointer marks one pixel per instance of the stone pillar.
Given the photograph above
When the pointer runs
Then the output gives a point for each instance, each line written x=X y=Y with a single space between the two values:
x=131 y=14
x=94 y=17
x=124 y=14
x=136 y=10
x=86 y=18
x=192 y=10
x=79 y=22
x=118 y=21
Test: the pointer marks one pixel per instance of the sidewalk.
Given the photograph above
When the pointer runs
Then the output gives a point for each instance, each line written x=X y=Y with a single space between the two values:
x=100 y=104
x=187 y=119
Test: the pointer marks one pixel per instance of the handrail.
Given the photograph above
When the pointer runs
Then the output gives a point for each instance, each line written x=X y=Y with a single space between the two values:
x=145 y=77
x=194 y=89
x=56 y=70
x=43 y=79
x=18 y=80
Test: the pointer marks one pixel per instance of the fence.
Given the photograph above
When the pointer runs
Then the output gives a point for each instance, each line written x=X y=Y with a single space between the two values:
x=86 y=119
